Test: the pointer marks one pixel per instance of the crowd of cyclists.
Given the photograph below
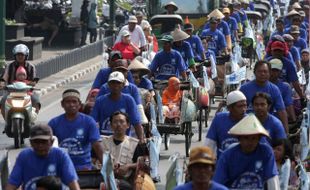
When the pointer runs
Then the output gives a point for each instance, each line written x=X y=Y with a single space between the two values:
x=248 y=146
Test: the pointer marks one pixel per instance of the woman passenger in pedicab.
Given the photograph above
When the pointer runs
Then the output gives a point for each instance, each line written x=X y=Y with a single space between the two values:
x=200 y=171
x=171 y=100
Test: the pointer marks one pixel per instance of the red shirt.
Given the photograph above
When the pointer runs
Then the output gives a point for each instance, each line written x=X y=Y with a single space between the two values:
x=125 y=49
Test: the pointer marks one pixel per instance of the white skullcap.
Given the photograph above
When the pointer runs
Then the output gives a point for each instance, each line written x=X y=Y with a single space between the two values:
x=234 y=96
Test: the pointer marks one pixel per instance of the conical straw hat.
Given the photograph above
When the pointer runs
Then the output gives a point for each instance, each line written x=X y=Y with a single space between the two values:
x=249 y=125
x=138 y=66
x=179 y=35
x=293 y=13
x=296 y=5
x=217 y=14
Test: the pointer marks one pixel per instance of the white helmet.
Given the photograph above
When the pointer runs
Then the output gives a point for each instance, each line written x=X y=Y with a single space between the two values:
x=21 y=48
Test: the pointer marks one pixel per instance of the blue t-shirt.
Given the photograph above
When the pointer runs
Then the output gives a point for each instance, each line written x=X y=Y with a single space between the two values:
x=130 y=89
x=104 y=107
x=250 y=88
x=222 y=26
x=218 y=41
x=289 y=73
x=29 y=168
x=236 y=15
x=275 y=128
x=146 y=84
x=300 y=44
x=196 y=46
x=76 y=137
x=295 y=53
x=103 y=77
x=167 y=64
x=303 y=33
x=277 y=33
x=189 y=186
x=186 y=52
x=286 y=92
x=237 y=170
x=243 y=17
x=233 y=26
x=220 y=125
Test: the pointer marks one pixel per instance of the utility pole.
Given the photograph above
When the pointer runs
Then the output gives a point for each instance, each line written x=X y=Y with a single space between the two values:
x=2 y=35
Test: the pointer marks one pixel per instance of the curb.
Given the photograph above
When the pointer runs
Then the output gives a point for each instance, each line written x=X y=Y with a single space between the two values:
x=75 y=76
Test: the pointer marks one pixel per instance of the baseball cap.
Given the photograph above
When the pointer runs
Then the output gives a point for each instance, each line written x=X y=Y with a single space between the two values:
x=43 y=132
x=115 y=55
x=120 y=64
x=305 y=51
x=276 y=64
x=226 y=10
x=167 y=38
x=288 y=37
x=294 y=29
x=125 y=33
x=132 y=19
x=117 y=76
x=277 y=45
x=235 y=96
x=188 y=26
x=202 y=154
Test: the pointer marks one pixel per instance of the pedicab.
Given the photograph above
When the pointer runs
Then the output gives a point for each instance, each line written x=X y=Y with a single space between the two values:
x=187 y=116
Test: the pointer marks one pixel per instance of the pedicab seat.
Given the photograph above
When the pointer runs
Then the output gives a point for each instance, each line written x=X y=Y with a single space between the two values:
x=221 y=60
x=90 y=179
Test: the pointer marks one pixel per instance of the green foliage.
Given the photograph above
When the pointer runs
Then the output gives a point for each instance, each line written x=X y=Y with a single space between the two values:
x=9 y=21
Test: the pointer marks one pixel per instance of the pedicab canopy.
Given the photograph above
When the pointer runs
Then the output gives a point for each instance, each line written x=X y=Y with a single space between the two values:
x=202 y=154
x=217 y=14
x=179 y=35
x=137 y=65
x=249 y=125
x=235 y=96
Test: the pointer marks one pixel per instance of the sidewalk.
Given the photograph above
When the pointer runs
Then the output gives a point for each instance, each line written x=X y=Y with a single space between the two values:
x=68 y=75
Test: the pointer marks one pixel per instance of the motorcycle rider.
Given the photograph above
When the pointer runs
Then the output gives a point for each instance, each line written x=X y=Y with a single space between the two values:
x=21 y=53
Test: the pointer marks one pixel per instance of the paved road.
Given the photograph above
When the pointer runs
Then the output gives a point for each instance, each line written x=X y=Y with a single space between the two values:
x=51 y=108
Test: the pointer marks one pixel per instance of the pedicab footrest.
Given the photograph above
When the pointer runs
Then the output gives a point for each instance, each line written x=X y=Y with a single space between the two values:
x=168 y=128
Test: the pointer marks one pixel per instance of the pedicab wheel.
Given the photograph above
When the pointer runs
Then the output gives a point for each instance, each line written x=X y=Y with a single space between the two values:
x=188 y=137
x=167 y=141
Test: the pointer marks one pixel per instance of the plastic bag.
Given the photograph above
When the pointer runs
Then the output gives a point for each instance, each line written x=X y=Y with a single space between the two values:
x=107 y=171
x=205 y=78
x=160 y=108
x=304 y=137
x=193 y=80
x=284 y=174
x=213 y=67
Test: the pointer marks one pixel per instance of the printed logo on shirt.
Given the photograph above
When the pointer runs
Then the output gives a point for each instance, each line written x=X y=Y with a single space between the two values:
x=183 y=54
x=248 y=180
x=227 y=142
x=167 y=69
x=51 y=170
x=80 y=134
x=173 y=62
x=73 y=146
x=194 y=45
x=258 y=166
x=31 y=184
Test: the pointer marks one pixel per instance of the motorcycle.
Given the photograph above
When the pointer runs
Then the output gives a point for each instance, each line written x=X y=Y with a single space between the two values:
x=19 y=113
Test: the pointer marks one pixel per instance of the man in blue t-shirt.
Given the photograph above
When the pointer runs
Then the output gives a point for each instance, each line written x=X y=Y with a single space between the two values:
x=248 y=164
x=261 y=83
x=200 y=169
x=293 y=50
x=183 y=47
x=233 y=25
x=218 y=42
x=217 y=137
x=261 y=103
x=103 y=74
x=279 y=28
x=139 y=73
x=168 y=62
x=41 y=160
x=195 y=43
x=284 y=87
x=299 y=42
x=106 y=105
x=76 y=132
x=296 y=21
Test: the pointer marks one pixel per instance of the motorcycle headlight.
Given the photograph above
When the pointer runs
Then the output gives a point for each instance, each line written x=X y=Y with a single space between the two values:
x=18 y=103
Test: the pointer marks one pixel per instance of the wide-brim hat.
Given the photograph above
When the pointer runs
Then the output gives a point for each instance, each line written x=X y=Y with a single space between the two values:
x=295 y=29
x=179 y=35
x=202 y=154
x=288 y=37
x=137 y=65
x=249 y=125
x=226 y=10
x=217 y=14
x=296 y=5
x=132 y=19
x=293 y=13
x=171 y=3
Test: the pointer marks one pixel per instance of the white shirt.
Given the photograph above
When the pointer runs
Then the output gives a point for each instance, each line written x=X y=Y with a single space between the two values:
x=137 y=36
x=106 y=10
